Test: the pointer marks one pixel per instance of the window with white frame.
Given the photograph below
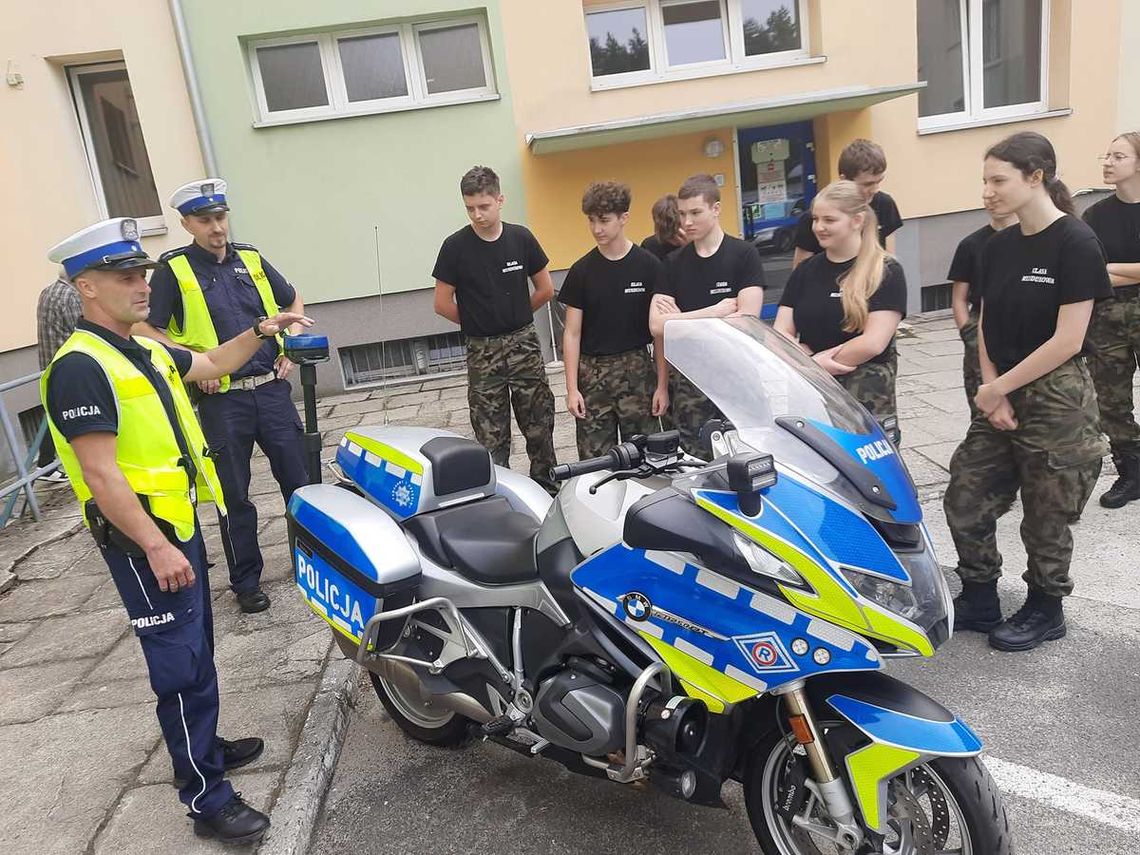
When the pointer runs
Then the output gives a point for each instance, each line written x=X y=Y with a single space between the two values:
x=981 y=60
x=372 y=70
x=113 y=138
x=642 y=41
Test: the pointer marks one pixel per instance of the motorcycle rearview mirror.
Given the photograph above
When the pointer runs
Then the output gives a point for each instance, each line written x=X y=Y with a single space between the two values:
x=748 y=474
x=890 y=426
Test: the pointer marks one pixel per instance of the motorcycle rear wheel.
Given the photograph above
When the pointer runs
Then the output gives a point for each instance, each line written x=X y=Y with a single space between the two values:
x=962 y=812
x=419 y=719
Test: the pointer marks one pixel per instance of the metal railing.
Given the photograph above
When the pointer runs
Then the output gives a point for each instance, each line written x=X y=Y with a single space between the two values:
x=25 y=473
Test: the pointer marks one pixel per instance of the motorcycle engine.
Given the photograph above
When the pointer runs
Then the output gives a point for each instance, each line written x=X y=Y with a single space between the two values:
x=579 y=709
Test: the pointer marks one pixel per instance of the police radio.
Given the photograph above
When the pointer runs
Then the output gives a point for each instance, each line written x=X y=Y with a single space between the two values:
x=306 y=351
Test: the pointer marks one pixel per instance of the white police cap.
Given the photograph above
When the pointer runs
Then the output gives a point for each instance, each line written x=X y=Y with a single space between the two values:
x=108 y=245
x=200 y=197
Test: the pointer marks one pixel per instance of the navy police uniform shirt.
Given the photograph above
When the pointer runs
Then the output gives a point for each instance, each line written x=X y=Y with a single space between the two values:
x=230 y=295
x=614 y=297
x=815 y=296
x=490 y=278
x=1027 y=278
x=966 y=265
x=696 y=282
x=887 y=212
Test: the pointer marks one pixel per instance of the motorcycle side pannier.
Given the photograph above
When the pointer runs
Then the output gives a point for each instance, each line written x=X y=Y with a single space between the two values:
x=350 y=560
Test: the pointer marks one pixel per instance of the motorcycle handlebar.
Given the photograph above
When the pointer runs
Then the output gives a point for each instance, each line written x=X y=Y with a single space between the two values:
x=624 y=456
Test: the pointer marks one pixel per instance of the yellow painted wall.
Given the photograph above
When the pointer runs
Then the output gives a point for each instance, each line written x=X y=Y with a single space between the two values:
x=548 y=59
x=554 y=185
x=43 y=165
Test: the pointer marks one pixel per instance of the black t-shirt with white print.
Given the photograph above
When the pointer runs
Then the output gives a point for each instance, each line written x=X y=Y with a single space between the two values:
x=490 y=278
x=695 y=282
x=967 y=263
x=887 y=212
x=1117 y=224
x=815 y=297
x=614 y=297
x=1027 y=278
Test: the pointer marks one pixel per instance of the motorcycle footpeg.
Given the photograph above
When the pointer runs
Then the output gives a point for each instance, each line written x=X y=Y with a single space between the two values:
x=498 y=726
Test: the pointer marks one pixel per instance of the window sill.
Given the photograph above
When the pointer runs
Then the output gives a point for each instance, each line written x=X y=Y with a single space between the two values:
x=649 y=79
x=967 y=124
x=153 y=231
x=404 y=108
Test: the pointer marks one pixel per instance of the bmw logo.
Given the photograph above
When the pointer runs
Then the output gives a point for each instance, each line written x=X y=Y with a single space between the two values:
x=637 y=606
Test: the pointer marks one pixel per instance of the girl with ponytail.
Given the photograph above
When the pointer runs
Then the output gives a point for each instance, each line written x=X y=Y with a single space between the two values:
x=1037 y=430
x=1114 y=331
x=844 y=304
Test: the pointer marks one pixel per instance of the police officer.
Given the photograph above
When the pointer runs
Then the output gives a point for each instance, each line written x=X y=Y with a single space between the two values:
x=713 y=276
x=136 y=458
x=1115 y=328
x=1038 y=432
x=206 y=293
x=614 y=388
x=481 y=284
x=844 y=304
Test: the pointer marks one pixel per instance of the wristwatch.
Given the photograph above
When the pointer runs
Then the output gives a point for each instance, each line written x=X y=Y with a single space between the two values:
x=257 y=327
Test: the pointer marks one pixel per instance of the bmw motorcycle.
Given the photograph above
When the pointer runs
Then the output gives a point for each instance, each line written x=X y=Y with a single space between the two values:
x=665 y=618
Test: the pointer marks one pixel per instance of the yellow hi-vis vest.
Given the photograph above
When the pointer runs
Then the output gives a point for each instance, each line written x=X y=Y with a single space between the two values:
x=197 y=331
x=147 y=449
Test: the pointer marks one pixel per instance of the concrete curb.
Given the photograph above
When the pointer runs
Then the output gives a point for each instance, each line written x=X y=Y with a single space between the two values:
x=294 y=815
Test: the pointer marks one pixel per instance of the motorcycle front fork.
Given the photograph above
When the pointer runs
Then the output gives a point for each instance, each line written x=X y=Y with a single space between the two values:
x=848 y=834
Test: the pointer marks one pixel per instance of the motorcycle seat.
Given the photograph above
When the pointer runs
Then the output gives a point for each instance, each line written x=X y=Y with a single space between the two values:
x=485 y=541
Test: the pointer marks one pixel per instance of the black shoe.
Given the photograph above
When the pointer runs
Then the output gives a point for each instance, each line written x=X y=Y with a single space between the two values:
x=977 y=608
x=235 y=823
x=236 y=754
x=1041 y=619
x=1127 y=487
x=253 y=601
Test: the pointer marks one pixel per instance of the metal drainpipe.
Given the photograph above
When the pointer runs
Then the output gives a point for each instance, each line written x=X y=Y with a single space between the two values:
x=199 y=111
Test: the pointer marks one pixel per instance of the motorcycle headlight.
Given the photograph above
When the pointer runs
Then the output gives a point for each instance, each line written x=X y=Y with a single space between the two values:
x=893 y=596
x=765 y=563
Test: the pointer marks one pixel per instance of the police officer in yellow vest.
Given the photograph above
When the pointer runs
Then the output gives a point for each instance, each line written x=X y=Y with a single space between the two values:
x=209 y=292
x=136 y=457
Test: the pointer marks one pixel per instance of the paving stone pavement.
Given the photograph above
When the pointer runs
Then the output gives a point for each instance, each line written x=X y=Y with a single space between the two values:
x=83 y=766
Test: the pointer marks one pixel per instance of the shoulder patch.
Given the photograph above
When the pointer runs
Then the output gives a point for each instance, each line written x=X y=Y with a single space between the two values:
x=171 y=253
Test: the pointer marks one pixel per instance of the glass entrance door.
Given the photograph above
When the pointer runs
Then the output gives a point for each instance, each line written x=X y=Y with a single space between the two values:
x=777 y=184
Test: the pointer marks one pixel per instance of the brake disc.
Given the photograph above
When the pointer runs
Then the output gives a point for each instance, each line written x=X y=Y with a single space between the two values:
x=925 y=785
x=906 y=811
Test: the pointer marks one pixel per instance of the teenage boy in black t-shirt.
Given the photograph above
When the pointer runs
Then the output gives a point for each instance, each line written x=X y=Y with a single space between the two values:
x=713 y=276
x=481 y=284
x=612 y=384
x=965 y=297
x=865 y=163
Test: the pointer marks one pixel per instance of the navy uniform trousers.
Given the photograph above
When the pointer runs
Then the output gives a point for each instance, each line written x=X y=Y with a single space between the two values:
x=176 y=631
x=232 y=422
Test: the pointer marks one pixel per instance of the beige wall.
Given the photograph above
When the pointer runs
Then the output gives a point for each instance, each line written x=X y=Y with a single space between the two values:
x=1128 y=117
x=929 y=174
x=43 y=165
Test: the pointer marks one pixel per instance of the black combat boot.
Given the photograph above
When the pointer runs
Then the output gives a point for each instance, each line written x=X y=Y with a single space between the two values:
x=977 y=607
x=1041 y=619
x=235 y=823
x=1127 y=486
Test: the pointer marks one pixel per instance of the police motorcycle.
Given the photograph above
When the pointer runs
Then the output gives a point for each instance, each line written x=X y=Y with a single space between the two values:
x=665 y=618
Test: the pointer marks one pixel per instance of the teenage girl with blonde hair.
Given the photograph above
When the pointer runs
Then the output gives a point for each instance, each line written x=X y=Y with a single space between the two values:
x=844 y=304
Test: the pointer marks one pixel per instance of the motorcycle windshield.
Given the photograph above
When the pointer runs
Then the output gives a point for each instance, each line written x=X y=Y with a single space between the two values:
x=782 y=403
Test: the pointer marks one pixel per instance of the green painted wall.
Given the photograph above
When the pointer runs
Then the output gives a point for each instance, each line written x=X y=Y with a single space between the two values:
x=309 y=195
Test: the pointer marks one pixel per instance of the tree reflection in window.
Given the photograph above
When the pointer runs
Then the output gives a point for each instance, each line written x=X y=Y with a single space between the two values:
x=617 y=41
x=779 y=31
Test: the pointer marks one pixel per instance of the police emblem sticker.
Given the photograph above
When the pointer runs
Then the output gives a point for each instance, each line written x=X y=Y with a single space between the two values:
x=637 y=606
x=130 y=229
x=402 y=495
x=765 y=653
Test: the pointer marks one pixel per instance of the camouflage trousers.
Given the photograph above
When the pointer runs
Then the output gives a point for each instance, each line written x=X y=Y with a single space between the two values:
x=872 y=384
x=618 y=391
x=505 y=372
x=1053 y=457
x=971 y=366
x=1114 y=334
x=689 y=410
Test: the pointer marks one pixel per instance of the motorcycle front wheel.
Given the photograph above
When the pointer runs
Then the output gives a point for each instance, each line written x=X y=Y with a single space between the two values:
x=949 y=806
